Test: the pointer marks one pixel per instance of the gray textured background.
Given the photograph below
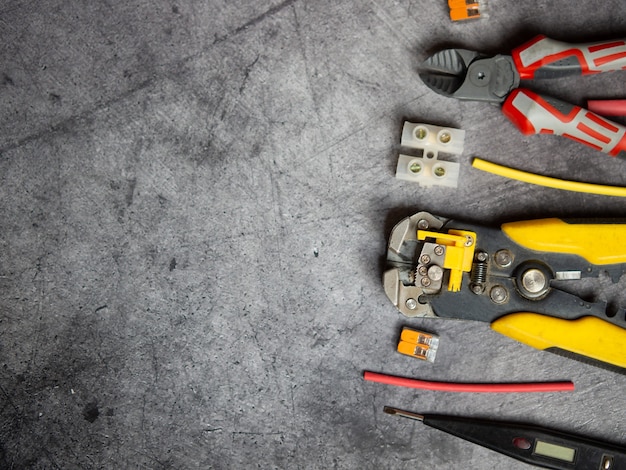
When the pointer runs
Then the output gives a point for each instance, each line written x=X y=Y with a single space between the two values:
x=169 y=171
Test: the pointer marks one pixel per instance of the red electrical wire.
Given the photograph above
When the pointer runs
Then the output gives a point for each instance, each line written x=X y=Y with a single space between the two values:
x=607 y=107
x=564 y=386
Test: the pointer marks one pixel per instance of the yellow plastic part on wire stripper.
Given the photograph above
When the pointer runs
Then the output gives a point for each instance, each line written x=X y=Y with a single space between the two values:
x=597 y=243
x=587 y=336
x=460 y=245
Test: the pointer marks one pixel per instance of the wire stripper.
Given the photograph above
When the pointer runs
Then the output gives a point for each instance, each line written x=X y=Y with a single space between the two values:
x=516 y=278
x=469 y=75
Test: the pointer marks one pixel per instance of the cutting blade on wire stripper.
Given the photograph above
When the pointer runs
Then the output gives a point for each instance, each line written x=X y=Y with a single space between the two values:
x=514 y=277
x=469 y=75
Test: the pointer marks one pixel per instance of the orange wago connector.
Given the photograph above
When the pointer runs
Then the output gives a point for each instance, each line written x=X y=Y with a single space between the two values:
x=466 y=9
x=418 y=344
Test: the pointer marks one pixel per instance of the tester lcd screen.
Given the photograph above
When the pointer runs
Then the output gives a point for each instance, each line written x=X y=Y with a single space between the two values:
x=554 y=451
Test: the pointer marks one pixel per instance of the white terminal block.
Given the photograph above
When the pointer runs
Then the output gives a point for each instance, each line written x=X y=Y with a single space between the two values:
x=428 y=170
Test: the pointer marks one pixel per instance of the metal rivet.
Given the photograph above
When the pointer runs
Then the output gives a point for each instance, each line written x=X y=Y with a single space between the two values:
x=534 y=281
x=411 y=304
x=477 y=288
x=469 y=241
x=503 y=258
x=498 y=294
x=435 y=273
x=422 y=224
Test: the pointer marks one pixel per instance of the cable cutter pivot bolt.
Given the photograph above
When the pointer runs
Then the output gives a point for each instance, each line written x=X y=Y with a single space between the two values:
x=511 y=277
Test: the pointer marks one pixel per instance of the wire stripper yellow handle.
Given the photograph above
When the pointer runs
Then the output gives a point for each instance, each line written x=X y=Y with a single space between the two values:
x=597 y=243
x=586 y=336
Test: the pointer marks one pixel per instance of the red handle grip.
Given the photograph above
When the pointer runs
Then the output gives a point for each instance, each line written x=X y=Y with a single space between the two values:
x=535 y=114
x=543 y=57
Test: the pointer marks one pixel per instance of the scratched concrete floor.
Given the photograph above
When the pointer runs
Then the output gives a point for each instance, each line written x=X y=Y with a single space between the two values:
x=195 y=203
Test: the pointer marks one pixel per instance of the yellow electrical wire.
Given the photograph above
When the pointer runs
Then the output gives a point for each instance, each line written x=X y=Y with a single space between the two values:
x=547 y=181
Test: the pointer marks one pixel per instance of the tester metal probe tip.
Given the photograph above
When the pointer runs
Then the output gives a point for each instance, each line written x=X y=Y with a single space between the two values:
x=405 y=414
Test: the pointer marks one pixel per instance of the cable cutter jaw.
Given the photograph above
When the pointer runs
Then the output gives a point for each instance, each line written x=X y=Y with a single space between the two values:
x=468 y=75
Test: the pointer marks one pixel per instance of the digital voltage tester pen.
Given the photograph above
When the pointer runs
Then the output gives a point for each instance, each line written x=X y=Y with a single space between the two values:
x=534 y=445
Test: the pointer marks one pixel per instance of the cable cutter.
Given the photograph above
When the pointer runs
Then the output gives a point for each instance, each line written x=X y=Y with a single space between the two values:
x=469 y=75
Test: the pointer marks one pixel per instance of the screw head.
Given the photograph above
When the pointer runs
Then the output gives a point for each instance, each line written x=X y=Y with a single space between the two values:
x=482 y=256
x=411 y=304
x=439 y=171
x=415 y=167
x=422 y=270
x=420 y=133
x=469 y=241
x=439 y=250
x=445 y=137
x=424 y=259
x=425 y=282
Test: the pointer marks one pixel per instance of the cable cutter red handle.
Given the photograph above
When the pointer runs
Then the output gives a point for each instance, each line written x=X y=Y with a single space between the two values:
x=543 y=57
x=535 y=114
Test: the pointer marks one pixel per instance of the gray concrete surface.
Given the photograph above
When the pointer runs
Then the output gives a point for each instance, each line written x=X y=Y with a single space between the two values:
x=195 y=203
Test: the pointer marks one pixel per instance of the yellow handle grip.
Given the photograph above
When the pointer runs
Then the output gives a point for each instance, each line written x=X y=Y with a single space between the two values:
x=586 y=336
x=596 y=242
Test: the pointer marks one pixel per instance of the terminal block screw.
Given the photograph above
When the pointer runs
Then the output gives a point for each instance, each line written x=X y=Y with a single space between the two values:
x=415 y=167
x=420 y=133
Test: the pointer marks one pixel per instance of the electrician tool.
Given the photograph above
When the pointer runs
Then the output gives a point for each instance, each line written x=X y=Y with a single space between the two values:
x=531 y=444
x=469 y=75
x=513 y=277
